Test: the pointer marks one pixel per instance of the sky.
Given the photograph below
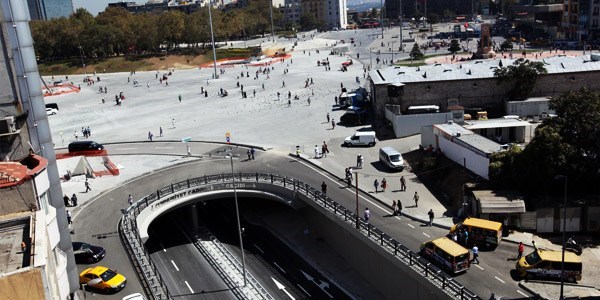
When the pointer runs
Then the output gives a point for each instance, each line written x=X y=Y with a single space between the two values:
x=95 y=6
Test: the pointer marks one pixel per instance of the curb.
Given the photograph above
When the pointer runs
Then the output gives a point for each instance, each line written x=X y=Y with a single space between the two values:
x=535 y=295
x=368 y=194
x=178 y=141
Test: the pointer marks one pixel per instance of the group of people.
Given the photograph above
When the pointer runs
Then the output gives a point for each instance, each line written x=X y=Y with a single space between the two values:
x=70 y=201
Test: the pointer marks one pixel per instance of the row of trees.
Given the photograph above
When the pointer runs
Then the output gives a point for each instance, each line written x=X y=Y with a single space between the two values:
x=116 y=31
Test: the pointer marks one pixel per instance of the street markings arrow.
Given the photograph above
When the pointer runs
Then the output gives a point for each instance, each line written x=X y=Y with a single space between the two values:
x=282 y=287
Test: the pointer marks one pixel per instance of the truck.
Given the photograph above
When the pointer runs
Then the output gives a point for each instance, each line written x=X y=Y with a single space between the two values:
x=357 y=98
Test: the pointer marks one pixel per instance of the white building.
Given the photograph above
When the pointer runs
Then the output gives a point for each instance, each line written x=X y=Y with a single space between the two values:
x=329 y=13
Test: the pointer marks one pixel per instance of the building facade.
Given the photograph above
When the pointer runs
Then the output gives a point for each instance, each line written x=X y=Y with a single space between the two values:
x=49 y=9
x=327 y=13
x=33 y=219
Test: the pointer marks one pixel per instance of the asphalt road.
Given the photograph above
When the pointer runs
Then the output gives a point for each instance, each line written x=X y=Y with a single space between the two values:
x=102 y=215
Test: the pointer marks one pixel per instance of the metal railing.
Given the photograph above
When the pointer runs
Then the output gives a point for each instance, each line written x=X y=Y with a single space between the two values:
x=411 y=259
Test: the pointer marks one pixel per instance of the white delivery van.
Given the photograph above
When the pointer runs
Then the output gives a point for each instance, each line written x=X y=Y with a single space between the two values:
x=361 y=138
x=391 y=158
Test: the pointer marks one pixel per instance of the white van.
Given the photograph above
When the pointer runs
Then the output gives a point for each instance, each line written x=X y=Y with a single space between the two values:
x=391 y=158
x=361 y=138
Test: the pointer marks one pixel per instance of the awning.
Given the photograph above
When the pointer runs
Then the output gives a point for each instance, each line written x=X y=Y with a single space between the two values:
x=499 y=202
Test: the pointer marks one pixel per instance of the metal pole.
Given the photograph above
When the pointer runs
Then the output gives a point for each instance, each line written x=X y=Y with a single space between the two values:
x=357 y=217
x=212 y=36
x=237 y=214
x=370 y=58
x=564 y=230
x=425 y=15
x=381 y=15
x=272 y=26
x=400 y=17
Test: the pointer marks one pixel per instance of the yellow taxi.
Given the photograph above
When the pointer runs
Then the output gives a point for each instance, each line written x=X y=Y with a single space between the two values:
x=102 y=278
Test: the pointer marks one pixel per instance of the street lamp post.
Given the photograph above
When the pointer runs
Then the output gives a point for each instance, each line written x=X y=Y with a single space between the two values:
x=81 y=54
x=272 y=26
x=400 y=18
x=212 y=36
x=381 y=15
x=237 y=214
x=357 y=217
x=564 y=230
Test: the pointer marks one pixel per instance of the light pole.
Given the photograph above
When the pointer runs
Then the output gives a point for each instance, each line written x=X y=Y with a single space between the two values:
x=357 y=217
x=400 y=17
x=381 y=15
x=564 y=230
x=272 y=26
x=212 y=36
x=81 y=54
x=237 y=214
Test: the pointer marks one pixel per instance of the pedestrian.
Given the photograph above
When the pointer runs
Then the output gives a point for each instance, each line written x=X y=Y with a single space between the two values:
x=466 y=237
x=358 y=161
x=431 y=216
x=130 y=200
x=249 y=155
x=394 y=208
x=189 y=151
x=416 y=198
x=325 y=149
x=399 y=208
x=66 y=200
x=402 y=184
x=160 y=131
x=87 y=186
x=332 y=124
x=149 y=136
x=69 y=220
x=316 y=151
x=367 y=214
x=475 y=254
x=173 y=122
x=74 y=200
x=328 y=119
x=324 y=188
x=376 y=185
x=252 y=152
x=383 y=184
x=308 y=101
x=179 y=98
x=362 y=160
x=521 y=249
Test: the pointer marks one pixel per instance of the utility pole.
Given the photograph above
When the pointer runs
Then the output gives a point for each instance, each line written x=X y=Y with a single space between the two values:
x=357 y=217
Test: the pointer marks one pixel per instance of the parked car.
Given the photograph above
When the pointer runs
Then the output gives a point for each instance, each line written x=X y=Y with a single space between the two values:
x=347 y=63
x=103 y=278
x=361 y=138
x=51 y=111
x=354 y=117
x=86 y=253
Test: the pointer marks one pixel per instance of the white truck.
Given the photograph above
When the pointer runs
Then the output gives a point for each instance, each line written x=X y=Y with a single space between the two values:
x=361 y=138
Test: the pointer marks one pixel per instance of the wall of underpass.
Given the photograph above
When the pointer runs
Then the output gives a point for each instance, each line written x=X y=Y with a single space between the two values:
x=393 y=278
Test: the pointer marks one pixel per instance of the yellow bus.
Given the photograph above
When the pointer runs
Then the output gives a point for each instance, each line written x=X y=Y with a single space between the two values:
x=546 y=263
x=481 y=232
x=447 y=254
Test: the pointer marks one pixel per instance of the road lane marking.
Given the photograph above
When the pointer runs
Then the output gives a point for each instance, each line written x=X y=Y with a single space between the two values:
x=479 y=267
x=189 y=287
x=524 y=295
x=163 y=147
x=425 y=234
x=174 y=265
x=133 y=148
x=499 y=279
x=344 y=184
x=303 y=290
x=261 y=250
x=413 y=227
x=162 y=246
x=282 y=270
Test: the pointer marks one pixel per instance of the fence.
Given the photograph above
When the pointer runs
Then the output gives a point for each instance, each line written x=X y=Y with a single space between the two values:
x=155 y=284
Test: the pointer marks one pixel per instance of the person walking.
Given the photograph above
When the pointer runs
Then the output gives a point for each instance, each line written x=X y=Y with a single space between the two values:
x=160 y=131
x=252 y=151
x=173 y=123
x=316 y=151
x=69 y=218
x=416 y=198
x=324 y=149
x=376 y=185
x=328 y=118
x=394 y=208
x=130 y=200
x=431 y=216
x=402 y=184
x=383 y=184
x=74 y=200
x=475 y=254
x=399 y=208
x=324 y=188
x=66 y=200
x=87 y=186
x=332 y=124
x=179 y=97
x=367 y=214
x=521 y=250
x=358 y=164
x=150 y=136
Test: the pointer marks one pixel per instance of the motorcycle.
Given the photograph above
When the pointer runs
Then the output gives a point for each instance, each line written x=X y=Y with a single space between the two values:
x=572 y=246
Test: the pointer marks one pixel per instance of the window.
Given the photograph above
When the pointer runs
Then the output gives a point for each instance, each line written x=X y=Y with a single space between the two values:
x=43 y=202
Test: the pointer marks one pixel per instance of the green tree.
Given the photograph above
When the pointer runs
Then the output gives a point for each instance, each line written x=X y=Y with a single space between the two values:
x=308 y=21
x=454 y=46
x=523 y=73
x=416 y=53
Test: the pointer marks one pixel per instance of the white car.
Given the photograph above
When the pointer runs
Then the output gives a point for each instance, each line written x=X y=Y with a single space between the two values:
x=136 y=296
x=51 y=111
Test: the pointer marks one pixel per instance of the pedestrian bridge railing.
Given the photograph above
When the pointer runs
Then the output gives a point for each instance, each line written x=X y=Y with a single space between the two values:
x=154 y=284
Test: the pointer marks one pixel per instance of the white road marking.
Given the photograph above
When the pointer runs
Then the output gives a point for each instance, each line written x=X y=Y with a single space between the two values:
x=480 y=268
x=524 y=295
x=499 y=279
x=413 y=227
x=425 y=234
x=163 y=147
x=162 y=246
x=304 y=291
x=344 y=184
x=278 y=267
x=132 y=148
x=261 y=250
x=189 y=287
x=174 y=265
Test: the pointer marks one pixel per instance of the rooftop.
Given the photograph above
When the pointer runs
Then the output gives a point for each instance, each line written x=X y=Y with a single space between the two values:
x=480 y=143
x=14 y=229
x=499 y=201
x=452 y=129
x=476 y=69
x=494 y=123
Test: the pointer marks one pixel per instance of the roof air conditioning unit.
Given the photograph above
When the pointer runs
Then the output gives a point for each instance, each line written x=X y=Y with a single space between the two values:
x=7 y=125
